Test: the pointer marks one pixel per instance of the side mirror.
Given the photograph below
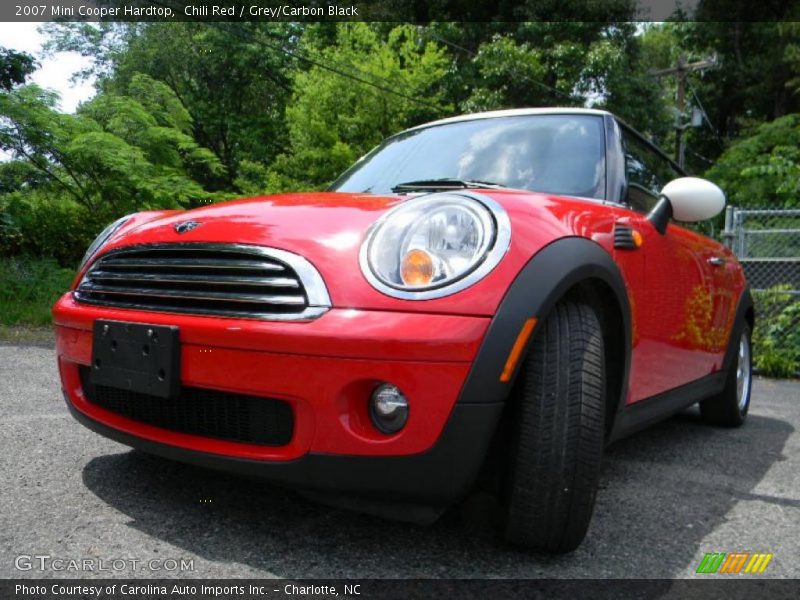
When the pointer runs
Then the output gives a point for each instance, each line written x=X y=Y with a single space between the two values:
x=687 y=199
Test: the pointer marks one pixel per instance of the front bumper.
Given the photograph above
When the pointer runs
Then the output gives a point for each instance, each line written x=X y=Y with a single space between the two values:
x=325 y=370
x=437 y=477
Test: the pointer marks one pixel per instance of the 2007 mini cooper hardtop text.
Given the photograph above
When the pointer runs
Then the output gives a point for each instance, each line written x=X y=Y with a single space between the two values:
x=493 y=297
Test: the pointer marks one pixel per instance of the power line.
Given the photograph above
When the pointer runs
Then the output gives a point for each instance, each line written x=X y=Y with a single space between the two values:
x=705 y=116
x=700 y=156
x=525 y=76
x=337 y=70
x=318 y=63
x=352 y=68
x=432 y=35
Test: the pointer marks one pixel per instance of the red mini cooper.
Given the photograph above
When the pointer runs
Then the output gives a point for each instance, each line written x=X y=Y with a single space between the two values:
x=493 y=297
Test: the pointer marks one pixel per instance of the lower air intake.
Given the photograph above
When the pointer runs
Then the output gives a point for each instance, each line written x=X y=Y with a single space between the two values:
x=201 y=412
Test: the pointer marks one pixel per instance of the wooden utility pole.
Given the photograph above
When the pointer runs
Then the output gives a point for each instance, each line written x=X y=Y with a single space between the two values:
x=679 y=71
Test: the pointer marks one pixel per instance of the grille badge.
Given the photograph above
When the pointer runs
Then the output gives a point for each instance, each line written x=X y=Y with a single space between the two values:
x=185 y=226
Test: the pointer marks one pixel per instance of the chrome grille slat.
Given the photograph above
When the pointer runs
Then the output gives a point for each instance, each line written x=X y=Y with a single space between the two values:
x=232 y=280
x=311 y=312
x=190 y=295
x=189 y=263
x=133 y=276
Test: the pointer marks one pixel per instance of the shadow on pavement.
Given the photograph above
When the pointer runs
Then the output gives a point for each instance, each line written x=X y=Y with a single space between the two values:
x=662 y=491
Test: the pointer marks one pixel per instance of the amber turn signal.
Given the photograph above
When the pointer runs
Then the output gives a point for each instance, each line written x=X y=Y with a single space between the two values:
x=516 y=349
x=638 y=240
x=417 y=268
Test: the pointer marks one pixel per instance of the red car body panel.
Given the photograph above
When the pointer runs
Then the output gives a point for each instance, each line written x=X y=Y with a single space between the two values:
x=682 y=317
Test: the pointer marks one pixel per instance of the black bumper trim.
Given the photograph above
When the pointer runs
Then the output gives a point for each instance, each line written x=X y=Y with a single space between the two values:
x=437 y=477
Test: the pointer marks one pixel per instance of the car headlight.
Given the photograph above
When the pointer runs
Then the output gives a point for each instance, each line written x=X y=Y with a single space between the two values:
x=435 y=245
x=102 y=239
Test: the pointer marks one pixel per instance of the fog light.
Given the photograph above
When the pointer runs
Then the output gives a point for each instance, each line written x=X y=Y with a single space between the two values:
x=388 y=408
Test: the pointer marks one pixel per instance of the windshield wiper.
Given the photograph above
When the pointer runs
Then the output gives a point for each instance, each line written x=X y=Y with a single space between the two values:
x=444 y=184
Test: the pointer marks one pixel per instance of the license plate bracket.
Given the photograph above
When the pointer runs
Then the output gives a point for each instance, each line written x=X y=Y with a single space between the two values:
x=136 y=357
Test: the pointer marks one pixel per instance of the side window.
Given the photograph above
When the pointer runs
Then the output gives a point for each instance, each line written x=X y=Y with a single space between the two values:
x=646 y=172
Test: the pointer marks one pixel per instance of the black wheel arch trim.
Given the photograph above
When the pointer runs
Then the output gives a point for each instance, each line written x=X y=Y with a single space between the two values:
x=545 y=279
x=744 y=305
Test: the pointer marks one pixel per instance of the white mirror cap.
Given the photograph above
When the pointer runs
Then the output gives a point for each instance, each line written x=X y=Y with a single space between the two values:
x=694 y=199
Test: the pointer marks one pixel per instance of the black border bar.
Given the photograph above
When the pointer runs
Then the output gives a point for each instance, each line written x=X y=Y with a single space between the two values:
x=408 y=11
x=711 y=587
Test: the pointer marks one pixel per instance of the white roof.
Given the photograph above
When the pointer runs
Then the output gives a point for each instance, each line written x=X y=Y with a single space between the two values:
x=514 y=112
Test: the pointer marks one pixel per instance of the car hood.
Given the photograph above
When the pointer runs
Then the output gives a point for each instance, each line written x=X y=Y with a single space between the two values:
x=308 y=224
x=328 y=228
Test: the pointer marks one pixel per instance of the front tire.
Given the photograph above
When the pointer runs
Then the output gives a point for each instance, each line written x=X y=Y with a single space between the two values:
x=729 y=407
x=558 y=434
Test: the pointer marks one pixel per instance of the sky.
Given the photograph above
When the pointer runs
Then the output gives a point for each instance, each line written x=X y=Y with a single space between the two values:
x=54 y=72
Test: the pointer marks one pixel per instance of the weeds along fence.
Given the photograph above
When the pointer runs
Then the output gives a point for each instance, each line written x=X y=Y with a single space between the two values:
x=767 y=243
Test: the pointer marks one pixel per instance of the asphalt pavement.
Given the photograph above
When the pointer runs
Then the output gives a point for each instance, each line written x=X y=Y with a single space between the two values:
x=668 y=495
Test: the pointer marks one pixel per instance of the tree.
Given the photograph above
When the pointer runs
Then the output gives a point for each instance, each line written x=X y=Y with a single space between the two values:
x=602 y=62
x=752 y=81
x=33 y=131
x=526 y=63
x=751 y=44
x=628 y=88
x=15 y=67
x=791 y=56
x=358 y=91
x=510 y=75
x=231 y=79
x=763 y=170
x=114 y=156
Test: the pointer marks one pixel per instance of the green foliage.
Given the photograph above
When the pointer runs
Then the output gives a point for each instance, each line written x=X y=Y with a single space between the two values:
x=75 y=173
x=17 y=174
x=232 y=84
x=629 y=91
x=11 y=236
x=14 y=68
x=776 y=339
x=160 y=102
x=232 y=79
x=508 y=72
x=763 y=170
x=40 y=225
x=790 y=30
x=332 y=122
x=115 y=156
x=28 y=289
x=546 y=63
x=751 y=83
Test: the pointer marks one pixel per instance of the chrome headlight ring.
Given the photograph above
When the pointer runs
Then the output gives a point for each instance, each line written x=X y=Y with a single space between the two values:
x=464 y=235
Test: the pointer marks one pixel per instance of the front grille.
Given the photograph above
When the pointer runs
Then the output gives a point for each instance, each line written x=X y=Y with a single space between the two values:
x=201 y=412
x=219 y=279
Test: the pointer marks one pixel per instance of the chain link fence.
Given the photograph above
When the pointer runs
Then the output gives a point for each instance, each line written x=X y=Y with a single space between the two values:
x=767 y=243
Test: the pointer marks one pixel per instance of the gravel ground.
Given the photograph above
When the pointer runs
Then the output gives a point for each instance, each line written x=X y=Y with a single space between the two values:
x=668 y=495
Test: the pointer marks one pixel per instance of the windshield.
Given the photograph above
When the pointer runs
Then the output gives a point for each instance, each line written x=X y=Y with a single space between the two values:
x=558 y=154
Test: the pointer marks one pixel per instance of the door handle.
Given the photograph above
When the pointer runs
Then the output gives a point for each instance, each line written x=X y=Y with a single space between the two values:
x=716 y=261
